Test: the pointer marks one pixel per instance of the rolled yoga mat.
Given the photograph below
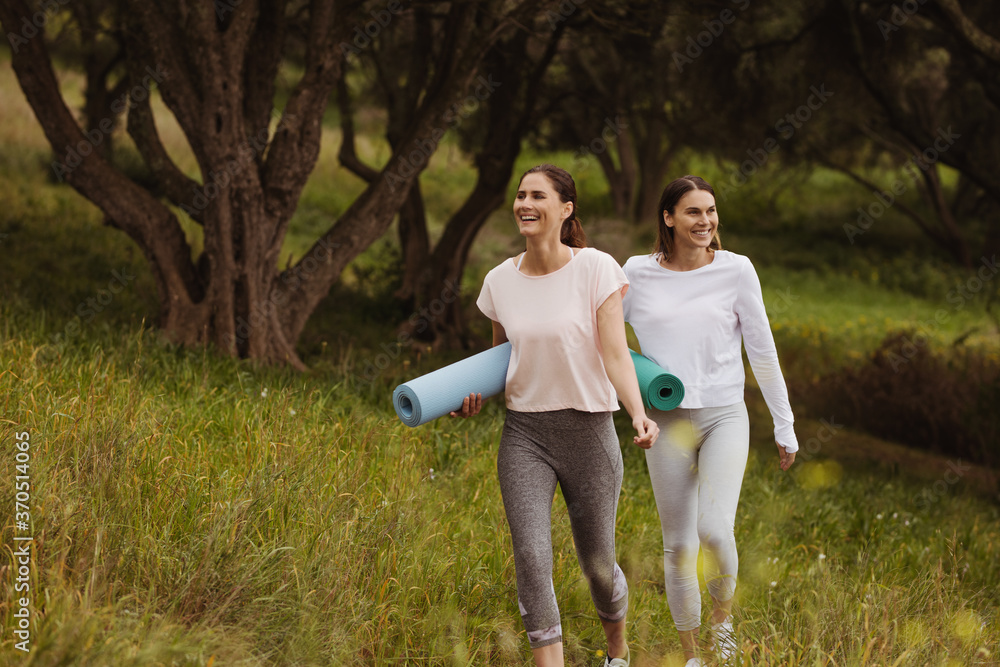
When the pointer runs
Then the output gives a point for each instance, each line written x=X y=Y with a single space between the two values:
x=439 y=392
x=442 y=391
x=659 y=389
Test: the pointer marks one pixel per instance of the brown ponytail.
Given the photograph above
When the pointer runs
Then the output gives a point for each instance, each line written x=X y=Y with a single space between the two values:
x=572 y=233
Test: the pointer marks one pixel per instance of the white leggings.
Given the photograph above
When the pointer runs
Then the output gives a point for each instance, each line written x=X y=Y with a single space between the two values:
x=696 y=467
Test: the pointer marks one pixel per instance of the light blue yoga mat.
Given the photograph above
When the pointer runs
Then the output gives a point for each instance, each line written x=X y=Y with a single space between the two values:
x=439 y=392
x=442 y=391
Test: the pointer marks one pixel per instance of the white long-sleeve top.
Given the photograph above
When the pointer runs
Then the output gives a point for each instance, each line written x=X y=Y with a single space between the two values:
x=692 y=323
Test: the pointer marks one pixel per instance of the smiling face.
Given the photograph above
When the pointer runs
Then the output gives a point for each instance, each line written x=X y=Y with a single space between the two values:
x=538 y=209
x=694 y=220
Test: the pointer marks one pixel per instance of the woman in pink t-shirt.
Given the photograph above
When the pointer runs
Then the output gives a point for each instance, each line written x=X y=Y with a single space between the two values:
x=560 y=305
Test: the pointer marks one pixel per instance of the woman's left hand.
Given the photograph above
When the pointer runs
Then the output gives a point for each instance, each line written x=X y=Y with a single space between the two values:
x=471 y=405
x=787 y=458
x=647 y=431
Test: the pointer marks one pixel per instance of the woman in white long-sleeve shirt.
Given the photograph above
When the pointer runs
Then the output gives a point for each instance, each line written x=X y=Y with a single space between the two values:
x=691 y=305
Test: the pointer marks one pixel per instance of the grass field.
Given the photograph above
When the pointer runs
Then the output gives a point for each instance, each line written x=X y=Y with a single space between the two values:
x=189 y=509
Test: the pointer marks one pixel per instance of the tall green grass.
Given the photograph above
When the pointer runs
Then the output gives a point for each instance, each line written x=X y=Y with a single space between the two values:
x=192 y=510
x=189 y=509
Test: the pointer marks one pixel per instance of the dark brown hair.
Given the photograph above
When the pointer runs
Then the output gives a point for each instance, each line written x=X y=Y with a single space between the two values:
x=572 y=231
x=672 y=194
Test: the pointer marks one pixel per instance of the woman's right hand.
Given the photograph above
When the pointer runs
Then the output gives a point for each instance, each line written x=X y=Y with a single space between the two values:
x=471 y=405
x=785 y=457
x=646 y=431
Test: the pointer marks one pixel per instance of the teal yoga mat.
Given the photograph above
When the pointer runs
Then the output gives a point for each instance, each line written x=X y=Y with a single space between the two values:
x=439 y=392
x=659 y=389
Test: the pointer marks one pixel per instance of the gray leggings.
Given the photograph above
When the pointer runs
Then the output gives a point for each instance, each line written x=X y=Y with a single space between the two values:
x=580 y=452
x=696 y=467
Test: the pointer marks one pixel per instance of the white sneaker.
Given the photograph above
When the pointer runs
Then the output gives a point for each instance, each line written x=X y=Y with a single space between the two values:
x=724 y=640
x=695 y=662
x=617 y=662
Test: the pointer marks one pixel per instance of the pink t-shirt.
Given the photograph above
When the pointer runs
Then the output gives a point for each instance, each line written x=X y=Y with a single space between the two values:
x=556 y=359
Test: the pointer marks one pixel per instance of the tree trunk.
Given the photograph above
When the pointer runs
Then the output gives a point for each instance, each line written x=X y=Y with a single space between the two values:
x=599 y=143
x=627 y=159
x=415 y=242
x=619 y=186
x=654 y=163
x=438 y=314
x=216 y=67
x=955 y=244
x=99 y=59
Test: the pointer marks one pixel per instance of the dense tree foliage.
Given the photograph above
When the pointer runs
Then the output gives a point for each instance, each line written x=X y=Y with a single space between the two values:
x=867 y=87
x=215 y=66
x=870 y=88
